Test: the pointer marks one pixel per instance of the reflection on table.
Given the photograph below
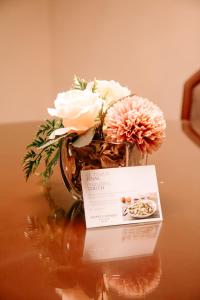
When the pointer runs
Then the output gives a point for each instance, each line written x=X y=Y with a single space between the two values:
x=118 y=262
x=117 y=242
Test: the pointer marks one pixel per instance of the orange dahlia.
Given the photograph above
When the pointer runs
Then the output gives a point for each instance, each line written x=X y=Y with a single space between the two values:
x=135 y=120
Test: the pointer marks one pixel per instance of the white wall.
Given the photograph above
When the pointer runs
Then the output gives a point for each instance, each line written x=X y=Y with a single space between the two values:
x=152 y=46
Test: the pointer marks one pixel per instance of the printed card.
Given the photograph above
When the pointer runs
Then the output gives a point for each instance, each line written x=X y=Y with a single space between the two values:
x=121 y=196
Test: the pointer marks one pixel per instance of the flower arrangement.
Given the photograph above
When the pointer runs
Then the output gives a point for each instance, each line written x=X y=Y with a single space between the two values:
x=99 y=110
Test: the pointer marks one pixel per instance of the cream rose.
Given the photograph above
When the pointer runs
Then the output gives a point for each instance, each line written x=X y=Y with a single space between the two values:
x=109 y=90
x=78 y=109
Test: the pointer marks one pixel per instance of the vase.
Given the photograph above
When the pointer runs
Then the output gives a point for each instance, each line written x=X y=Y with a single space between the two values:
x=96 y=155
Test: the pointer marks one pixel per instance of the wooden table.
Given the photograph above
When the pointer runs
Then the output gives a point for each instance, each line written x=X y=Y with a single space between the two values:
x=44 y=256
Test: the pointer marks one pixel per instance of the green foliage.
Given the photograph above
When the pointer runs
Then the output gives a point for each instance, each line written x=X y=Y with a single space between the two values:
x=30 y=165
x=79 y=83
x=29 y=155
x=49 y=126
x=48 y=153
x=94 y=88
x=36 y=151
x=52 y=157
x=37 y=142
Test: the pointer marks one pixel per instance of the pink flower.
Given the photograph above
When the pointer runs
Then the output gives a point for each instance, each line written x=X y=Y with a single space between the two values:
x=135 y=120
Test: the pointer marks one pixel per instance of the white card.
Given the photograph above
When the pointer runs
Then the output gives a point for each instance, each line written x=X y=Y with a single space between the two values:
x=120 y=196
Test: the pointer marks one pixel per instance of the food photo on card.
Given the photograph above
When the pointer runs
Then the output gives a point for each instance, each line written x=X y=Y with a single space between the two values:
x=121 y=196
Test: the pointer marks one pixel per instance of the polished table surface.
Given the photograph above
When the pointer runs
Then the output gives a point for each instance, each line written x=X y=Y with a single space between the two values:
x=43 y=255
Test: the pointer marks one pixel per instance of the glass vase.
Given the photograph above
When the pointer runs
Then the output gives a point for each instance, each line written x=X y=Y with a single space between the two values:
x=96 y=155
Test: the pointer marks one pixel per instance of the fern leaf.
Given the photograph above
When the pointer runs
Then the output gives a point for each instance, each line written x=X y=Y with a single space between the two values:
x=41 y=148
x=48 y=152
x=37 y=142
x=50 y=165
x=29 y=155
x=30 y=166
x=49 y=126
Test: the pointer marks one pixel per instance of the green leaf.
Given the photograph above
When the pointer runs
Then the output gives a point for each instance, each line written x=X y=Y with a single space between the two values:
x=37 y=142
x=94 y=88
x=31 y=165
x=42 y=148
x=79 y=83
x=28 y=167
x=48 y=152
x=49 y=126
x=85 y=138
x=50 y=164
x=29 y=155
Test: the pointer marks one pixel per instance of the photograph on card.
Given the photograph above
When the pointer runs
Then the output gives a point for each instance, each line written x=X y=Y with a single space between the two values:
x=140 y=206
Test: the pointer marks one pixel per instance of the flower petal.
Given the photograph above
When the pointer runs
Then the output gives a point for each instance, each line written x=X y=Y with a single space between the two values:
x=57 y=132
x=52 y=112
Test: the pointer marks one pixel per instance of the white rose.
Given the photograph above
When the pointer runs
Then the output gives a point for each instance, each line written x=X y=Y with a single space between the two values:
x=78 y=109
x=109 y=90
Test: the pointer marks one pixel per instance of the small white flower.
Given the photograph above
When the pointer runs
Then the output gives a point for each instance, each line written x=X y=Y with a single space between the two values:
x=78 y=109
x=109 y=90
